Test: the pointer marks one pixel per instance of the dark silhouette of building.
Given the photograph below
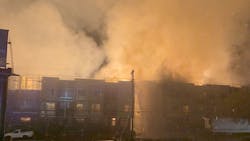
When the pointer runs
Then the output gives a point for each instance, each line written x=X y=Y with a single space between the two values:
x=87 y=108
x=168 y=109
x=23 y=108
x=70 y=107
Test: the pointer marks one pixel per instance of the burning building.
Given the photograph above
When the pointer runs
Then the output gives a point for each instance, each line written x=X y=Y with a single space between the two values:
x=163 y=109
x=167 y=109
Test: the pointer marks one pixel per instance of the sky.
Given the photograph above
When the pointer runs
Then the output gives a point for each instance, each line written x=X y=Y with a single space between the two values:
x=196 y=41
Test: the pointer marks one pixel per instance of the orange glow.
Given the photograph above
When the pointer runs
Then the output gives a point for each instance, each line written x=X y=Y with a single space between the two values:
x=30 y=83
x=187 y=40
x=171 y=40
x=115 y=80
x=25 y=119
x=24 y=83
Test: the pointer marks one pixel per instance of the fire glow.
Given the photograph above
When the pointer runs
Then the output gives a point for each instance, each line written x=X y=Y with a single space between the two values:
x=192 y=41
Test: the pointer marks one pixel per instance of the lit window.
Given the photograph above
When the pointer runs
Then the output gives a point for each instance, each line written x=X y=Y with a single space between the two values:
x=14 y=83
x=96 y=107
x=79 y=107
x=113 y=122
x=50 y=106
x=30 y=83
x=186 y=109
x=25 y=119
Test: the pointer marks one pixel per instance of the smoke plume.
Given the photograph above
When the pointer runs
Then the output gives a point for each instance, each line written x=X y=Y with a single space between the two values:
x=196 y=41
x=55 y=38
x=188 y=40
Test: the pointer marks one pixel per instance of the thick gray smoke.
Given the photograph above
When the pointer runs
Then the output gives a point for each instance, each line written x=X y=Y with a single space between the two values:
x=240 y=53
x=198 y=41
x=188 y=40
x=56 y=38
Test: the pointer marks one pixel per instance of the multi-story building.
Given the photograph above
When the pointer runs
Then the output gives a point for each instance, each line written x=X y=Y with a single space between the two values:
x=23 y=102
x=85 y=105
x=94 y=107
x=170 y=109
x=95 y=104
x=23 y=108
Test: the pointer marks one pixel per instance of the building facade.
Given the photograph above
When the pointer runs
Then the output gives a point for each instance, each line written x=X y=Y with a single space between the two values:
x=23 y=108
x=94 y=108
x=69 y=107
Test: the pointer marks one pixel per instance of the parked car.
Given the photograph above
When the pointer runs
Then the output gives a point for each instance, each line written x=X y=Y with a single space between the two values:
x=19 y=133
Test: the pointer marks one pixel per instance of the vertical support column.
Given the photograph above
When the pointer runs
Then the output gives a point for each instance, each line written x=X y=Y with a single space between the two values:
x=4 y=74
x=132 y=105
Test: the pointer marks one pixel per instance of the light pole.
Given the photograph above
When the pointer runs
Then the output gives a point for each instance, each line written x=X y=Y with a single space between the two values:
x=132 y=105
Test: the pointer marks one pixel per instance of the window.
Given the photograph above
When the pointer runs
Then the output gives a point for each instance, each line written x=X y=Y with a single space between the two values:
x=14 y=83
x=79 y=107
x=126 y=108
x=25 y=119
x=30 y=83
x=186 y=109
x=113 y=121
x=81 y=94
x=64 y=105
x=81 y=97
x=25 y=130
x=50 y=106
x=51 y=113
x=96 y=107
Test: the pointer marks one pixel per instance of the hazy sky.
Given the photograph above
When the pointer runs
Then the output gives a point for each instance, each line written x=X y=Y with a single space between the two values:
x=199 y=41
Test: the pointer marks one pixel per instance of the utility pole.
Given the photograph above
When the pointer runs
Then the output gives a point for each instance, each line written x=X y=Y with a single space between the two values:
x=132 y=105
x=4 y=74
